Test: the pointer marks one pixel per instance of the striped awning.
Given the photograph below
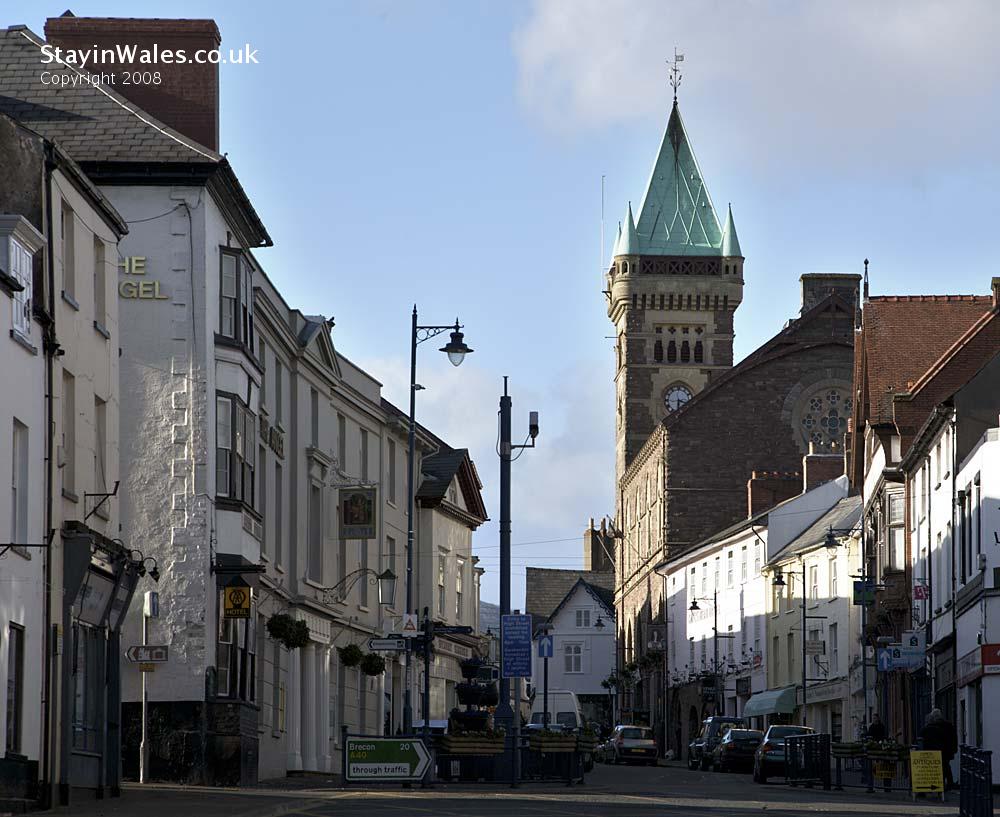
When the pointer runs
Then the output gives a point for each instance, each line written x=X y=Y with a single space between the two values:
x=771 y=702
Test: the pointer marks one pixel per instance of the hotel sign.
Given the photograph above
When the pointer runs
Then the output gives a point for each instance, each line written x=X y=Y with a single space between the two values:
x=357 y=513
x=134 y=266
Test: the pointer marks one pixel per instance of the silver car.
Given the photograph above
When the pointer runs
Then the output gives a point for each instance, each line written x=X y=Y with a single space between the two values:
x=632 y=744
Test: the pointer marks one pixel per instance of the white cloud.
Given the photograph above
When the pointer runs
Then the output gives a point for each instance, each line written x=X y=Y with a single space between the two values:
x=860 y=81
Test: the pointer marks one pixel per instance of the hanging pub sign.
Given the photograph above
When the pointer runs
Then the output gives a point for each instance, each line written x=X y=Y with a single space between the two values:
x=236 y=599
x=357 y=513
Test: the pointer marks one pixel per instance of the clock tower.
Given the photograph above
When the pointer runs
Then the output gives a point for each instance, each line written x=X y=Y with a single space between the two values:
x=675 y=281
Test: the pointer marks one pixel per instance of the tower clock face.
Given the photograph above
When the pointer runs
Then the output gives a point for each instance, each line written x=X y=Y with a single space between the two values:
x=676 y=397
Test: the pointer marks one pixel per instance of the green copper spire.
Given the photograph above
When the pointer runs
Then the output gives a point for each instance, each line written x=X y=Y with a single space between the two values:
x=730 y=241
x=676 y=216
x=628 y=238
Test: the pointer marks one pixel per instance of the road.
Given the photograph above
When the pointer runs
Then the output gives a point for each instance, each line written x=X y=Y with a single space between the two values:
x=610 y=791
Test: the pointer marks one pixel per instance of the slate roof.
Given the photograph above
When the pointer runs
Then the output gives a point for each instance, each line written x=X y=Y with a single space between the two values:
x=842 y=516
x=545 y=588
x=438 y=471
x=677 y=216
x=602 y=595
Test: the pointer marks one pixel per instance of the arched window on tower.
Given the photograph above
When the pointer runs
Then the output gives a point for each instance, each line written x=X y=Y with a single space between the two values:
x=658 y=351
x=624 y=267
x=672 y=352
x=699 y=352
x=685 y=351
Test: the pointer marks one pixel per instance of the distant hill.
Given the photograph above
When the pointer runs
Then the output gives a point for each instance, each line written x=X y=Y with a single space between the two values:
x=489 y=617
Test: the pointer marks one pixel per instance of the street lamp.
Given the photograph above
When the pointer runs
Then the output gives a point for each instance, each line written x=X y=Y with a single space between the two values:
x=456 y=350
x=599 y=624
x=385 y=581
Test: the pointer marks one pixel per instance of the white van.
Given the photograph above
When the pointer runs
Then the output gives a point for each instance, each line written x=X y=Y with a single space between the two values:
x=564 y=709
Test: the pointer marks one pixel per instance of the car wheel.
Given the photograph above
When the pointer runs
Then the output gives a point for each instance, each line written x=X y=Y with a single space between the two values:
x=704 y=763
x=692 y=762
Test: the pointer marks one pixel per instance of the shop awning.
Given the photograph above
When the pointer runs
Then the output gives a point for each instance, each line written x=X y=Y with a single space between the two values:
x=771 y=702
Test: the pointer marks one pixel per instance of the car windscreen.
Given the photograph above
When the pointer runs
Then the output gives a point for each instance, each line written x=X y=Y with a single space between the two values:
x=566 y=719
x=637 y=734
x=744 y=734
x=785 y=731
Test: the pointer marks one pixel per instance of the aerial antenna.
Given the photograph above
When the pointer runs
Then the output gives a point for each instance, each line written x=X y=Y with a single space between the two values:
x=675 y=72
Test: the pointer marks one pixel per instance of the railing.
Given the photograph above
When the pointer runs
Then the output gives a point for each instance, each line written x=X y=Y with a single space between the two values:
x=807 y=760
x=975 y=782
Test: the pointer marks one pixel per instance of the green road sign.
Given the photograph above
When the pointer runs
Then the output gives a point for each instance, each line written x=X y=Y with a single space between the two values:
x=386 y=759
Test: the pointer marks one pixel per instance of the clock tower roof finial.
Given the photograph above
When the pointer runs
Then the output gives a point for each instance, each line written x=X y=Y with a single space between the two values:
x=675 y=73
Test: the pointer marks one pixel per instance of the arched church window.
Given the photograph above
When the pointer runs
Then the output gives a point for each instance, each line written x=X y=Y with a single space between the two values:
x=685 y=351
x=699 y=352
x=624 y=267
x=658 y=351
x=672 y=352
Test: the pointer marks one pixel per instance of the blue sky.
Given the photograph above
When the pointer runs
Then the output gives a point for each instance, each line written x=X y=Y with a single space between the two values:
x=451 y=154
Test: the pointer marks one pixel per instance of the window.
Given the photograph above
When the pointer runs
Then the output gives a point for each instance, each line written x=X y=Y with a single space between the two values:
x=574 y=658
x=791 y=655
x=390 y=548
x=314 y=418
x=236 y=298
x=729 y=569
x=775 y=665
x=15 y=686
x=316 y=534
x=459 y=574
x=442 y=569
x=262 y=495
x=235 y=450
x=236 y=656
x=100 y=445
x=834 y=649
x=685 y=351
x=67 y=227
x=743 y=564
x=756 y=560
x=833 y=578
x=672 y=351
x=658 y=351
x=699 y=352
x=342 y=441
x=717 y=565
x=262 y=359
x=278 y=402
x=937 y=462
x=100 y=284
x=19 y=484
x=20 y=269
x=364 y=455
x=279 y=489
x=897 y=547
x=392 y=471
x=704 y=578
x=69 y=433
x=363 y=564
x=87 y=728
x=813 y=582
x=583 y=618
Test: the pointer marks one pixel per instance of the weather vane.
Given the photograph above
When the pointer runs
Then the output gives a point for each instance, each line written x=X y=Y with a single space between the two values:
x=675 y=72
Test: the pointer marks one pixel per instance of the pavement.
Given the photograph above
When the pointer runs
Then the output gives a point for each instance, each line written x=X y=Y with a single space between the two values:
x=609 y=791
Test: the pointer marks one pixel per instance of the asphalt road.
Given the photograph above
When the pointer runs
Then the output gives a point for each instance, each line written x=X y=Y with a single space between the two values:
x=610 y=791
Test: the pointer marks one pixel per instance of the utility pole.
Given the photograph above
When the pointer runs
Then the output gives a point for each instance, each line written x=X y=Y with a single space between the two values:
x=504 y=713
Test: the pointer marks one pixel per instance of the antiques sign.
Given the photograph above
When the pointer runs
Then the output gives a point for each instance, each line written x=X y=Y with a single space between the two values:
x=357 y=513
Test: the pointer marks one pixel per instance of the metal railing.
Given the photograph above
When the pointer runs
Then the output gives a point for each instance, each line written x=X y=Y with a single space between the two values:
x=975 y=782
x=807 y=760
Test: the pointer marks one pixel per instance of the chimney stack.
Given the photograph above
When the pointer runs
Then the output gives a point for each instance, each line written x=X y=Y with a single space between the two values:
x=187 y=97
x=817 y=285
x=995 y=285
x=765 y=489
x=818 y=468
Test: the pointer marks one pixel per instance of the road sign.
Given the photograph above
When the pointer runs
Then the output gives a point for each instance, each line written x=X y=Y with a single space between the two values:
x=921 y=591
x=149 y=654
x=546 y=646
x=147 y=667
x=864 y=592
x=386 y=644
x=453 y=629
x=386 y=758
x=815 y=647
x=515 y=646
x=895 y=657
x=411 y=626
x=884 y=659
x=236 y=599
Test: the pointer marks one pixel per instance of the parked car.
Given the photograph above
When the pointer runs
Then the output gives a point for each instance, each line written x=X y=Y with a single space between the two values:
x=770 y=755
x=736 y=750
x=632 y=744
x=712 y=730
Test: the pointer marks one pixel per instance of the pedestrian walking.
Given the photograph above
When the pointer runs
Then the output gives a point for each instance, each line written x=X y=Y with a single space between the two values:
x=939 y=735
x=876 y=730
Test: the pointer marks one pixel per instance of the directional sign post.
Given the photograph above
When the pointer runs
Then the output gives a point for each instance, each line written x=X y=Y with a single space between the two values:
x=385 y=759
x=146 y=654
x=386 y=644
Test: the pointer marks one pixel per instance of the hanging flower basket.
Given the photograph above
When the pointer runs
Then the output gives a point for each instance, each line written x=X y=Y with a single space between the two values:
x=291 y=632
x=372 y=664
x=350 y=655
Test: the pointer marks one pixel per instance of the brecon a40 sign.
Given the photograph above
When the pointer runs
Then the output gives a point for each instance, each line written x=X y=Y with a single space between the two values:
x=386 y=759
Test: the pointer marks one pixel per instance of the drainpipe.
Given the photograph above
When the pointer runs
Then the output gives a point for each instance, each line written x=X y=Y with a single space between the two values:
x=49 y=346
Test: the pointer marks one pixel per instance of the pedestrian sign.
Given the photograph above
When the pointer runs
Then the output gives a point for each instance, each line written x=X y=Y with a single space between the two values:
x=545 y=646
x=379 y=759
x=410 y=626
x=515 y=646
x=926 y=771
x=236 y=599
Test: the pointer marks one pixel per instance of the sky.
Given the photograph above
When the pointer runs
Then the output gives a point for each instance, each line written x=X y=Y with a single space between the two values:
x=450 y=153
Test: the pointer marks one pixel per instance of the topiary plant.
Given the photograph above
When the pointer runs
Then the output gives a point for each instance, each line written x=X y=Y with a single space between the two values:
x=291 y=632
x=350 y=655
x=372 y=664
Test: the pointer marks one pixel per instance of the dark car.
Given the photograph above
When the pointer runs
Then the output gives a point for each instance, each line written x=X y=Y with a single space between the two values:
x=770 y=755
x=712 y=730
x=632 y=744
x=736 y=749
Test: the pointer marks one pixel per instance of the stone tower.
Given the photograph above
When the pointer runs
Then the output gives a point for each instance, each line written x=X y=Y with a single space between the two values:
x=674 y=283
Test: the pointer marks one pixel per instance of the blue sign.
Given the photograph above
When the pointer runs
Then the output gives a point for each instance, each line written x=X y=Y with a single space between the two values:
x=895 y=656
x=546 y=646
x=515 y=646
x=884 y=660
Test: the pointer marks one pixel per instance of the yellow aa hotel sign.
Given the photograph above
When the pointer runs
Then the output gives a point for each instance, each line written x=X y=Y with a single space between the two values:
x=236 y=602
x=926 y=772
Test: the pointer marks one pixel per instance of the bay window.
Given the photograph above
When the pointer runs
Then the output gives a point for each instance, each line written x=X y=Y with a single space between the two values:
x=235 y=449
x=236 y=298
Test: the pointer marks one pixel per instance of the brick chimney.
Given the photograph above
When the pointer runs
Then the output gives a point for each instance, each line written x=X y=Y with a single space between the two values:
x=765 y=489
x=187 y=99
x=817 y=285
x=995 y=284
x=818 y=468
